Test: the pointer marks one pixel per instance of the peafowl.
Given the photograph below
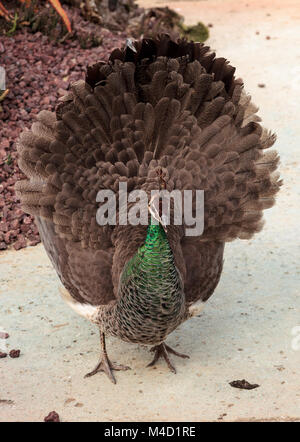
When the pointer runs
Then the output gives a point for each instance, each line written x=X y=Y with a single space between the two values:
x=160 y=114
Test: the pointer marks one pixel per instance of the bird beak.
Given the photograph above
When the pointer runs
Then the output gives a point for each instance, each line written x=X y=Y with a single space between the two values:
x=130 y=45
x=153 y=209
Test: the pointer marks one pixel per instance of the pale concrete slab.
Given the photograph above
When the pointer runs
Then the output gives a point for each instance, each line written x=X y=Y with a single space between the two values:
x=246 y=328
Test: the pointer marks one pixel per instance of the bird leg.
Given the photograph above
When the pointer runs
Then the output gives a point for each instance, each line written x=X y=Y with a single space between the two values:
x=105 y=364
x=162 y=350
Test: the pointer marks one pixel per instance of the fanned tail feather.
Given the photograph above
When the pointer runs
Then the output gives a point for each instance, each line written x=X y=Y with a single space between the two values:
x=173 y=106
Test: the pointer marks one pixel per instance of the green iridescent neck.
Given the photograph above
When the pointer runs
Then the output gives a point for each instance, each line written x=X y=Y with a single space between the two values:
x=156 y=237
x=154 y=259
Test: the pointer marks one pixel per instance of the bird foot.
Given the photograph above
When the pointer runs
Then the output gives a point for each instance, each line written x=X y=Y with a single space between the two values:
x=107 y=366
x=162 y=350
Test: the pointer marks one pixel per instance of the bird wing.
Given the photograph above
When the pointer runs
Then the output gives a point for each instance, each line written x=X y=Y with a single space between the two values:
x=204 y=264
x=85 y=273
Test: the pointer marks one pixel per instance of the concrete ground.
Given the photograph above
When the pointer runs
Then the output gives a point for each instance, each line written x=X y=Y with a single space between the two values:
x=246 y=328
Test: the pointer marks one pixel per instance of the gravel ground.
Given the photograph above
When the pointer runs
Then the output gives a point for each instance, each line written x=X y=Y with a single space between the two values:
x=248 y=329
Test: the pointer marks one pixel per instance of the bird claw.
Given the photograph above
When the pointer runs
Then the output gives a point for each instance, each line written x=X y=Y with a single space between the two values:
x=107 y=367
x=162 y=350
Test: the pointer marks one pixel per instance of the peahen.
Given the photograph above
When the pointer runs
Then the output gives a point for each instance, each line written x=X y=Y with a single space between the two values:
x=159 y=114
